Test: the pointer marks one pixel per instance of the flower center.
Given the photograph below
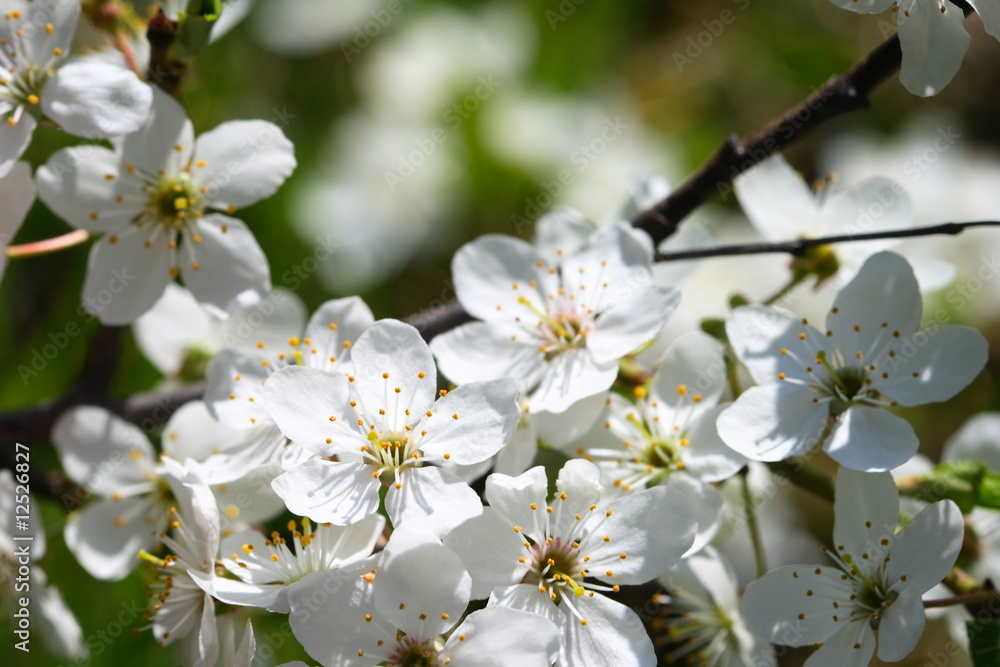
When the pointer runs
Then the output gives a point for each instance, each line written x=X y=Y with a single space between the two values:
x=413 y=652
x=22 y=90
x=558 y=564
x=175 y=199
x=389 y=452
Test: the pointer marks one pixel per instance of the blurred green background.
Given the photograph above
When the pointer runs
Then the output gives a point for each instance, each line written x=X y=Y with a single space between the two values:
x=354 y=108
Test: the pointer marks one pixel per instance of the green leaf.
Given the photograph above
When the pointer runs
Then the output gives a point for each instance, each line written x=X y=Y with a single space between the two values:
x=984 y=642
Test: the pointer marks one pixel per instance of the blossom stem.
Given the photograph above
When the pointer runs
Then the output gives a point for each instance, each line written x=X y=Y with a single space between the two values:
x=760 y=557
x=126 y=50
x=789 y=286
x=806 y=477
x=48 y=245
x=966 y=599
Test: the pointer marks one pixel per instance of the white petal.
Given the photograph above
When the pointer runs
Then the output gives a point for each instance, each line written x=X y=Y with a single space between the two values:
x=333 y=326
x=570 y=377
x=777 y=200
x=708 y=458
x=772 y=422
x=486 y=351
x=871 y=439
x=392 y=354
x=328 y=619
x=560 y=429
x=102 y=452
x=242 y=162
x=637 y=318
x=976 y=439
x=706 y=506
x=503 y=637
x=989 y=12
x=329 y=492
x=934 y=41
x=257 y=452
x=613 y=635
x=852 y=646
x=866 y=512
x=882 y=299
x=59 y=629
x=14 y=140
x=485 y=271
x=875 y=204
x=272 y=320
x=422 y=587
x=758 y=334
x=63 y=16
x=489 y=549
x=430 y=499
x=561 y=231
x=17 y=191
x=901 y=626
x=695 y=362
x=175 y=325
x=238 y=593
x=229 y=262
x=949 y=360
x=512 y=496
x=106 y=536
x=192 y=432
x=125 y=277
x=311 y=407
x=927 y=548
x=154 y=146
x=773 y=603
x=247 y=497
x=234 y=389
x=620 y=254
x=96 y=100
x=649 y=552
x=865 y=6
x=487 y=417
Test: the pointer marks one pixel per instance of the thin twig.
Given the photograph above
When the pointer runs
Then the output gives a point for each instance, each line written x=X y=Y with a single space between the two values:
x=799 y=246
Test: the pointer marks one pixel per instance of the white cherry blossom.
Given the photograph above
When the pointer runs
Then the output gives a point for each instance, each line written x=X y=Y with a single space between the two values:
x=782 y=207
x=703 y=618
x=557 y=557
x=164 y=202
x=86 y=98
x=420 y=592
x=668 y=435
x=268 y=570
x=182 y=610
x=833 y=387
x=870 y=597
x=235 y=378
x=932 y=35
x=384 y=426
x=558 y=329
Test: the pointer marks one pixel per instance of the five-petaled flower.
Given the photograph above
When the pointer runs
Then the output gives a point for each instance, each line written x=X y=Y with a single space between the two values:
x=833 y=387
x=87 y=98
x=871 y=594
x=164 y=202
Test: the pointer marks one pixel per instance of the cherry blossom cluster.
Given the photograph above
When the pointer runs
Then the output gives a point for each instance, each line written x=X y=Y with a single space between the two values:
x=500 y=494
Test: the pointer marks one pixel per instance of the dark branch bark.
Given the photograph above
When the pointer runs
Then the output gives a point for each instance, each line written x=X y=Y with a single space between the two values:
x=840 y=95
